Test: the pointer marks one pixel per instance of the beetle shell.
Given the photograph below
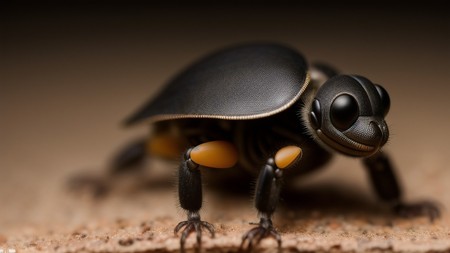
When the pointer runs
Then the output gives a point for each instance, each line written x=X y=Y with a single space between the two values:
x=238 y=83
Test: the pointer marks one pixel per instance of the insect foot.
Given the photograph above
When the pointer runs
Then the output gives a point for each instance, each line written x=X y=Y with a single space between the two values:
x=425 y=208
x=254 y=236
x=193 y=224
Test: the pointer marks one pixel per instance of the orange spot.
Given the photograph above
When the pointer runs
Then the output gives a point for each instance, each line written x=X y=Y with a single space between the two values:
x=287 y=155
x=215 y=154
x=165 y=146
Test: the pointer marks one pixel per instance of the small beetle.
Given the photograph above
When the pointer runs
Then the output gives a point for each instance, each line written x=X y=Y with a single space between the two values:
x=259 y=107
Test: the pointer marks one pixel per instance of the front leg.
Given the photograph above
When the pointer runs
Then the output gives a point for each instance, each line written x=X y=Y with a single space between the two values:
x=214 y=154
x=384 y=181
x=267 y=196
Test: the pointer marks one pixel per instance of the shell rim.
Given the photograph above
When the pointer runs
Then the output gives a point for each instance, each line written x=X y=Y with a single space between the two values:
x=163 y=117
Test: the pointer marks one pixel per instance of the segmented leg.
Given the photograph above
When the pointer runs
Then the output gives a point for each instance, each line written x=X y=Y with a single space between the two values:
x=216 y=154
x=267 y=197
x=424 y=208
x=388 y=189
x=130 y=158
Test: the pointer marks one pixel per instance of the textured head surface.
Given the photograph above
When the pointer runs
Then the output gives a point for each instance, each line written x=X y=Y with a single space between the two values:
x=347 y=115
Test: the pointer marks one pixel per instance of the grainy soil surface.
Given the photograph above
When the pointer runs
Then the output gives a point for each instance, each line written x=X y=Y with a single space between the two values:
x=140 y=216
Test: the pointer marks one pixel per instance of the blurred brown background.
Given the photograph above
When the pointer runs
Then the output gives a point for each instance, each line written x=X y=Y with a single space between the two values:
x=71 y=72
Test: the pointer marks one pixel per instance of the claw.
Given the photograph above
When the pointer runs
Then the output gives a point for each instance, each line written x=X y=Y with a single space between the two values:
x=190 y=226
x=179 y=226
x=426 y=208
x=209 y=227
x=254 y=236
x=198 y=231
x=277 y=237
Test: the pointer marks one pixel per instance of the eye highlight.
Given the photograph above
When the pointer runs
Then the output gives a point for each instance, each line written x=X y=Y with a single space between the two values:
x=344 y=111
x=385 y=100
x=315 y=115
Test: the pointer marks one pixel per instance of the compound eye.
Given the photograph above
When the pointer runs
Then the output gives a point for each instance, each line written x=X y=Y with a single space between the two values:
x=344 y=111
x=385 y=100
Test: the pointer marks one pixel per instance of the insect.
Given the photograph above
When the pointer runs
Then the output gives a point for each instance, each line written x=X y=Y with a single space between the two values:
x=260 y=108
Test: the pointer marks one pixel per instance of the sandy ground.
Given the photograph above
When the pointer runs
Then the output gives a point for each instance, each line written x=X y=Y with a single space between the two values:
x=70 y=75
x=138 y=215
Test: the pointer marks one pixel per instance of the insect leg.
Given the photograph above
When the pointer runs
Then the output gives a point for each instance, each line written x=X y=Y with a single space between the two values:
x=130 y=158
x=214 y=154
x=267 y=195
x=385 y=184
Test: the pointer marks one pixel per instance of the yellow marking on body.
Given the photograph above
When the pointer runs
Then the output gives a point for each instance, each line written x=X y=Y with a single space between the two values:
x=165 y=146
x=287 y=155
x=215 y=154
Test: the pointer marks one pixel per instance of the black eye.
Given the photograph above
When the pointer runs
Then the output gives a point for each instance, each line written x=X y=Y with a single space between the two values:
x=344 y=111
x=385 y=100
